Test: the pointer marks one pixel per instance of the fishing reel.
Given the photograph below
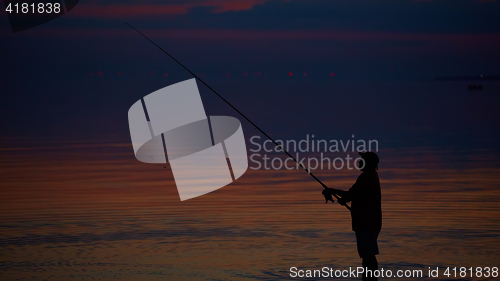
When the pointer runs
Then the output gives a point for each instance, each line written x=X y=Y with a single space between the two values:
x=327 y=195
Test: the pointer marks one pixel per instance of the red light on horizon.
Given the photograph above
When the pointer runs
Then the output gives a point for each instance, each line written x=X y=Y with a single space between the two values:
x=119 y=74
x=290 y=74
x=100 y=73
x=165 y=75
x=333 y=74
x=305 y=74
x=227 y=74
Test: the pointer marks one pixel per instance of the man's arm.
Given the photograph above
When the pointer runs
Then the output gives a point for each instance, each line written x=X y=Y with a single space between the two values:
x=344 y=194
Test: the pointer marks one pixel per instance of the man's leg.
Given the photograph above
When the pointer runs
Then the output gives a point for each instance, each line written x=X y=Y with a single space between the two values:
x=370 y=262
x=367 y=249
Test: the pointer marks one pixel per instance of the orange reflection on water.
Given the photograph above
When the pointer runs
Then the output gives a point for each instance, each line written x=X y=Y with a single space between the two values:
x=93 y=211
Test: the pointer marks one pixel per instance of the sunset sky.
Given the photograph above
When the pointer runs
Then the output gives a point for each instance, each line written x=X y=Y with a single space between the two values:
x=77 y=204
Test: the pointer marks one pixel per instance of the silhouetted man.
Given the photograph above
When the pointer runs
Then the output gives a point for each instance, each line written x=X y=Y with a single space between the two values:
x=366 y=211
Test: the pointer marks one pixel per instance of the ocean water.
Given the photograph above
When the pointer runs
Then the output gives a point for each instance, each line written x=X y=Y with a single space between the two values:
x=90 y=211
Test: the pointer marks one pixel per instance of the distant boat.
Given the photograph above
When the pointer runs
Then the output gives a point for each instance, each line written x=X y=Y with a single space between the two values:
x=475 y=87
x=469 y=78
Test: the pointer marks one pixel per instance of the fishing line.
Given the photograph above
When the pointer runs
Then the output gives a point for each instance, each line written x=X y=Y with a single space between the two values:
x=246 y=118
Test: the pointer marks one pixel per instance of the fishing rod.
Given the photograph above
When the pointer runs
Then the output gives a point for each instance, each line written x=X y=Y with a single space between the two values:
x=328 y=197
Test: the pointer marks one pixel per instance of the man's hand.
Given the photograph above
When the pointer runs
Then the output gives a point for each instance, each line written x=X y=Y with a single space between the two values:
x=327 y=193
x=329 y=190
x=341 y=201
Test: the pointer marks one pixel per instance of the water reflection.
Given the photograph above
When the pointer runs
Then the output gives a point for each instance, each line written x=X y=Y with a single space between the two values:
x=107 y=217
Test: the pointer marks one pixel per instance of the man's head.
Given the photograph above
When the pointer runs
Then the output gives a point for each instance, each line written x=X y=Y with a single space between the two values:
x=370 y=161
